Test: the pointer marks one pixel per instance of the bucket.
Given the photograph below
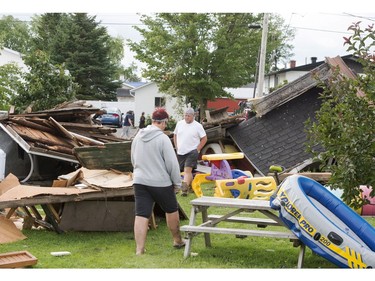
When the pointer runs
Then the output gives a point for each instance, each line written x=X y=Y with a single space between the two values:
x=2 y=164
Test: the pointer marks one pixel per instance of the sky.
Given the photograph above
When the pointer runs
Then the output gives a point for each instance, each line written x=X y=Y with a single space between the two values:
x=320 y=25
x=318 y=34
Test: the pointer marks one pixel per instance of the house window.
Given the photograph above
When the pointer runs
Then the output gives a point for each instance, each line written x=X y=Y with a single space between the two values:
x=159 y=102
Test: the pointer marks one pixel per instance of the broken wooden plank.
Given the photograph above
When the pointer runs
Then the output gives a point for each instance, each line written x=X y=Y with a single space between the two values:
x=291 y=90
x=9 y=231
x=216 y=115
x=51 y=199
x=30 y=124
x=110 y=156
x=64 y=132
x=320 y=177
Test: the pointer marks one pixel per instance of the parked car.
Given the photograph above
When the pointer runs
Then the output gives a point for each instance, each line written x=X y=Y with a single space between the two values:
x=113 y=117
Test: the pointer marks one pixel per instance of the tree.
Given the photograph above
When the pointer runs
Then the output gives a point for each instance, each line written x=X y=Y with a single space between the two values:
x=195 y=56
x=10 y=80
x=44 y=86
x=14 y=34
x=88 y=52
x=129 y=73
x=345 y=123
x=280 y=50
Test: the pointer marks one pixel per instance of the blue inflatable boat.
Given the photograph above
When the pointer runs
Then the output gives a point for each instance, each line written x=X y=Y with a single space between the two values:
x=324 y=223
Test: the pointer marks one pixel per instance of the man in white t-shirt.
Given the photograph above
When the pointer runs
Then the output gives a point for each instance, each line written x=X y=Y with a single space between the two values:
x=189 y=138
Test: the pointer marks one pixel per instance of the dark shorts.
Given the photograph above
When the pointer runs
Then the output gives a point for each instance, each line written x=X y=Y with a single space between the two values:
x=145 y=197
x=188 y=160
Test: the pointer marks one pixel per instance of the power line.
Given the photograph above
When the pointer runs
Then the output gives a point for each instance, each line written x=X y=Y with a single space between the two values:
x=320 y=30
x=288 y=25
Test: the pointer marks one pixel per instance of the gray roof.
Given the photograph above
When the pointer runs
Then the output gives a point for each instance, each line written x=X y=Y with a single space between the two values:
x=279 y=136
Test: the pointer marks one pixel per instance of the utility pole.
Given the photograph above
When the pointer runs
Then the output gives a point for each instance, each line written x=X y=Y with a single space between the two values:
x=262 y=57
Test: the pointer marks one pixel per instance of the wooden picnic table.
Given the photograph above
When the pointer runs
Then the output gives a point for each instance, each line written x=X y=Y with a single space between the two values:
x=235 y=206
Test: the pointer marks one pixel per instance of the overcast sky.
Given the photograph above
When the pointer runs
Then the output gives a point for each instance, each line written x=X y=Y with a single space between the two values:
x=320 y=25
x=317 y=34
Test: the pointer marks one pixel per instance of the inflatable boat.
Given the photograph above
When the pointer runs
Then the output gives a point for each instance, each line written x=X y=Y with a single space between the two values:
x=324 y=223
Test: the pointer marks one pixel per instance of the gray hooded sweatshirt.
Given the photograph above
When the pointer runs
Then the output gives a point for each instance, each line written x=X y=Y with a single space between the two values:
x=154 y=159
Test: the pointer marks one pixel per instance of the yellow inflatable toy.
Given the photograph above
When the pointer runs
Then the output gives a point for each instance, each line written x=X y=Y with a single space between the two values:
x=257 y=188
x=220 y=170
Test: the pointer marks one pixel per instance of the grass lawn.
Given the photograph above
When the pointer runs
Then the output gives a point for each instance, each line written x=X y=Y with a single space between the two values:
x=116 y=250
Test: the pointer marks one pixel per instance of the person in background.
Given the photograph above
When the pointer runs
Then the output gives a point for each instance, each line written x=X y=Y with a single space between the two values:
x=156 y=175
x=142 y=121
x=189 y=138
x=128 y=122
x=131 y=112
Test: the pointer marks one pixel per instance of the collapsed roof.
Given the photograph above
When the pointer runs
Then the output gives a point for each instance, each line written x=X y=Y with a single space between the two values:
x=276 y=135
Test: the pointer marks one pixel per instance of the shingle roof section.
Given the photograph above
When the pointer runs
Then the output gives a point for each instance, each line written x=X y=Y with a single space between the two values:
x=279 y=136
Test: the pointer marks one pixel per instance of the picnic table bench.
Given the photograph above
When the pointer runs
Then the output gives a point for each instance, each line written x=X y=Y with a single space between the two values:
x=235 y=206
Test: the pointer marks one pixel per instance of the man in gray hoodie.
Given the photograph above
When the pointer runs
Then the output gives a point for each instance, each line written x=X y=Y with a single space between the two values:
x=156 y=174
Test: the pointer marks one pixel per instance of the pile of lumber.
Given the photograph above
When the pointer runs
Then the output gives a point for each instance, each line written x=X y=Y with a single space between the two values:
x=60 y=129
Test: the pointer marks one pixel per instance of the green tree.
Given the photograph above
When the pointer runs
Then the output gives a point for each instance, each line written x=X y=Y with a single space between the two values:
x=129 y=73
x=88 y=52
x=14 y=34
x=195 y=56
x=44 y=86
x=345 y=123
x=10 y=80
x=278 y=43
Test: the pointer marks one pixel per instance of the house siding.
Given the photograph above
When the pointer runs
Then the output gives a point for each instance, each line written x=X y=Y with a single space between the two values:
x=10 y=56
x=145 y=102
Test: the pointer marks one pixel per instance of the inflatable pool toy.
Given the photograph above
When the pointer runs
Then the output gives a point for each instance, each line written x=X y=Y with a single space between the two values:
x=325 y=223
x=220 y=169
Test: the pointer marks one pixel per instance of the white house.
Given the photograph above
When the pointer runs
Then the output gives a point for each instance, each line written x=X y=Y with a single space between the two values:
x=274 y=79
x=147 y=97
x=9 y=56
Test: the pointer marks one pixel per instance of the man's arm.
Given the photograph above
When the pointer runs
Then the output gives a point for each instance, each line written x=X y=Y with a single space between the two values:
x=175 y=141
x=202 y=143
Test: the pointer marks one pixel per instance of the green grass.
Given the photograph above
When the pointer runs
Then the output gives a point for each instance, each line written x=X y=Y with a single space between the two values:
x=115 y=250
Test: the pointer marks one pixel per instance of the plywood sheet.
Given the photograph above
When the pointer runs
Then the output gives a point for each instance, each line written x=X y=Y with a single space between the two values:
x=27 y=191
x=9 y=232
x=98 y=216
x=109 y=156
x=107 y=178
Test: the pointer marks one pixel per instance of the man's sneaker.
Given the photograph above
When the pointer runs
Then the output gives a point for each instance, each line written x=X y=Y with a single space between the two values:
x=184 y=189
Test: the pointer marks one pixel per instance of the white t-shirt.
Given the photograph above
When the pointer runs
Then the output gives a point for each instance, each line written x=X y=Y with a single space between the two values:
x=188 y=136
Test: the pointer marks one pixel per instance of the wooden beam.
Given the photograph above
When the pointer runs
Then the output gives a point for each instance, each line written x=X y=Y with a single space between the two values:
x=108 y=193
x=291 y=90
x=320 y=177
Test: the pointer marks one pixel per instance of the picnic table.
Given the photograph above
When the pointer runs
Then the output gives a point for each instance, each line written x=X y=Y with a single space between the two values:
x=235 y=207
